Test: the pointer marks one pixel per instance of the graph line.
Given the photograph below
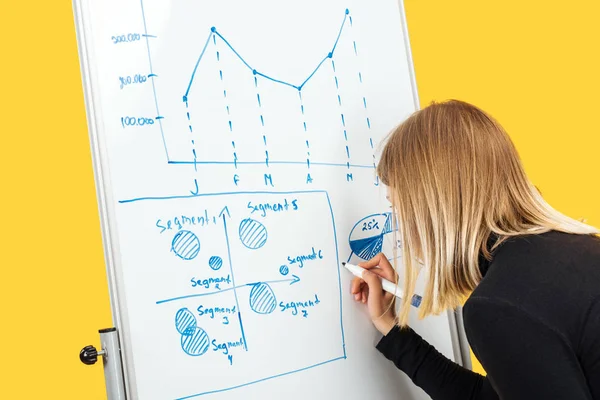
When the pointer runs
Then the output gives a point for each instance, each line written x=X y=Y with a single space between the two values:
x=196 y=66
x=214 y=31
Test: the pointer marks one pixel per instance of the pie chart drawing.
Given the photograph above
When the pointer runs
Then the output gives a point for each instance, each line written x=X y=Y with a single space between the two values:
x=366 y=237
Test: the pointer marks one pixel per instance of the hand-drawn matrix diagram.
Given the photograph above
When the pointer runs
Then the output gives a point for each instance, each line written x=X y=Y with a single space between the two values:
x=229 y=279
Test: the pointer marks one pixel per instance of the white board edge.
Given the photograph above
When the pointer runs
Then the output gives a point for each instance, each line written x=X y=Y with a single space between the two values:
x=458 y=338
x=103 y=194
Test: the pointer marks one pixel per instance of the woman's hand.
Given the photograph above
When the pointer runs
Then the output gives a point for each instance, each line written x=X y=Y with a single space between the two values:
x=369 y=290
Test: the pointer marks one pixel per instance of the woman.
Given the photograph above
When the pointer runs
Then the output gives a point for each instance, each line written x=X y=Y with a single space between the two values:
x=471 y=221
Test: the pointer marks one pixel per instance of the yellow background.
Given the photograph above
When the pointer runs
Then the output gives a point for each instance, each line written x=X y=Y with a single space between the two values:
x=532 y=64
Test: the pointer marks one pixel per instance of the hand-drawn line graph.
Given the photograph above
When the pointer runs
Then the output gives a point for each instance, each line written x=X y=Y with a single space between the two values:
x=259 y=75
x=215 y=46
x=301 y=295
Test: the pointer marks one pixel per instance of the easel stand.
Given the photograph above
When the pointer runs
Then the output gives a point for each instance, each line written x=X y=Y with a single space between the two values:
x=111 y=357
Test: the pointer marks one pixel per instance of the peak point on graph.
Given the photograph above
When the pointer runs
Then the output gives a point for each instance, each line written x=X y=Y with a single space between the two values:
x=347 y=11
x=213 y=29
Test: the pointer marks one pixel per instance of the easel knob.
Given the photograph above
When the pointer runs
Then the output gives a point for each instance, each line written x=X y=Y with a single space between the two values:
x=111 y=361
x=89 y=355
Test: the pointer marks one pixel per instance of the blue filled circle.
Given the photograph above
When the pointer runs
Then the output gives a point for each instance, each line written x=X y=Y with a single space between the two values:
x=284 y=270
x=185 y=245
x=253 y=234
x=262 y=299
x=185 y=322
x=215 y=262
x=196 y=343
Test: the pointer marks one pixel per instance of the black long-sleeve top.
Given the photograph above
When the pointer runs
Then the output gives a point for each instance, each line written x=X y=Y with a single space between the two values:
x=533 y=322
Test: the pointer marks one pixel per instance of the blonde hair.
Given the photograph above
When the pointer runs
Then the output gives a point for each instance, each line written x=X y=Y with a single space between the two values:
x=455 y=178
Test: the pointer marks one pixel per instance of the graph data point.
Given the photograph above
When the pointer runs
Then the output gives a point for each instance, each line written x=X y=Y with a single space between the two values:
x=330 y=55
x=185 y=98
x=213 y=29
x=254 y=72
x=347 y=11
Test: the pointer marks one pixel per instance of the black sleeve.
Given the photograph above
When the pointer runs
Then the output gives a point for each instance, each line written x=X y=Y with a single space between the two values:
x=525 y=357
x=589 y=348
x=439 y=377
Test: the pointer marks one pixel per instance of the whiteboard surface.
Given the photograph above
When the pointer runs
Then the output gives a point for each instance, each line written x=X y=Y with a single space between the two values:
x=234 y=145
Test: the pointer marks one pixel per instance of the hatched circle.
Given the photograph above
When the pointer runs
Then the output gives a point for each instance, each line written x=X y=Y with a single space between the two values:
x=195 y=344
x=262 y=299
x=215 y=263
x=253 y=234
x=284 y=270
x=185 y=245
x=185 y=322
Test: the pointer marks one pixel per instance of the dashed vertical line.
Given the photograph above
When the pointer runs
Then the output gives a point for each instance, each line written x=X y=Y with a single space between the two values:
x=303 y=116
x=364 y=98
x=262 y=118
x=339 y=99
x=189 y=119
x=221 y=77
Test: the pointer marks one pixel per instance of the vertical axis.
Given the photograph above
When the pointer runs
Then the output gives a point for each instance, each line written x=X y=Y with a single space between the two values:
x=159 y=117
x=304 y=127
x=229 y=123
x=364 y=98
x=337 y=256
x=233 y=282
x=343 y=118
x=262 y=118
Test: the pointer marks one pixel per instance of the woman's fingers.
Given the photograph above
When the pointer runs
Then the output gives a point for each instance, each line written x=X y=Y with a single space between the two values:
x=360 y=290
x=355 y=286
x=369 y=290
x=373 y=262
x=390 y=276
x=381 y=266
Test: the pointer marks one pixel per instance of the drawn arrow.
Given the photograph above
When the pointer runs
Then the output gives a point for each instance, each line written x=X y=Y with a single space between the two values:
x=224 y=211
x=292 y=280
